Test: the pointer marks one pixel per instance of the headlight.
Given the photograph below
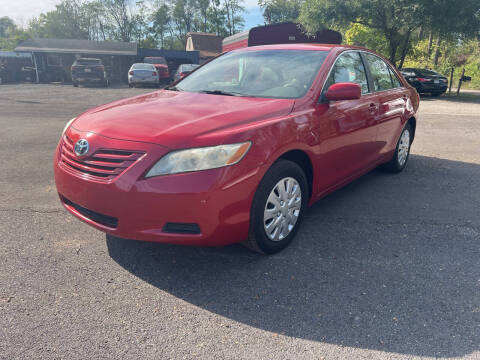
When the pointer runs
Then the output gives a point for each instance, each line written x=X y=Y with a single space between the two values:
x=199 y=159
x=67 y=126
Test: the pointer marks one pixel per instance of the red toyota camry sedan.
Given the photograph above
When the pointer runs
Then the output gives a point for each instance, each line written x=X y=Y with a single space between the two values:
x=237 y=150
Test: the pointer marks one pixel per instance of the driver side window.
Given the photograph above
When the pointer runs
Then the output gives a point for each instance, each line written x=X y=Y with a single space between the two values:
x=348 y=68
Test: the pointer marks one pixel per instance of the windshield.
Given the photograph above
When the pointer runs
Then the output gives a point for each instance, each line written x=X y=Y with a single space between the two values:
x=155 y=60
x=143 y=67
x=263 y=73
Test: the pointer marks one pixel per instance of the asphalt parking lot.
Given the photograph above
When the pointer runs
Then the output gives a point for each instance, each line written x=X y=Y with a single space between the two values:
x=386 y=268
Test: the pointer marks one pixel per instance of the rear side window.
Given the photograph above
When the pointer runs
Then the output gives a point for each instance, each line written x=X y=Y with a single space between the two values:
x=88 y=62
x=395 y=81
x=155 y=60
x=143 y=67
x=348 y=68
x=381 y=79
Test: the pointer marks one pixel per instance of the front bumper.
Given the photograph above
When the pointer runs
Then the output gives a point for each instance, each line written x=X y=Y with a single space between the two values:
x=217 y=200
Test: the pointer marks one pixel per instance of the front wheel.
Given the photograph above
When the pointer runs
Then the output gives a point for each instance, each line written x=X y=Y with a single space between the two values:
x=278 y=208
x=402 y=151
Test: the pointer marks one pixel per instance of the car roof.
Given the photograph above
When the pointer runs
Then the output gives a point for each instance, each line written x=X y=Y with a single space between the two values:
x=142 y=64
x=87 y=59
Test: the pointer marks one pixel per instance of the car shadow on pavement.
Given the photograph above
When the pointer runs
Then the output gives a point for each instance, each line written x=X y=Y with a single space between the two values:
x=388 y=263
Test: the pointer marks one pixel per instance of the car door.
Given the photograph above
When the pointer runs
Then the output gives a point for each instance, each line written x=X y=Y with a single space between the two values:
x=346 y=128
x=392 y=97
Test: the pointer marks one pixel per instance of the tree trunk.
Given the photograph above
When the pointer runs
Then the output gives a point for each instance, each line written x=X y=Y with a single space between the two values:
x=393 y=51
x=405 y=48
x=420 y=34
x=437 y=51
x=460 y=82
x=451 y=81
x=430 y=42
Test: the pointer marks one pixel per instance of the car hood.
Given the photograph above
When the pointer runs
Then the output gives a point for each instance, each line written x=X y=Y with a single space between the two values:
x=179 y=119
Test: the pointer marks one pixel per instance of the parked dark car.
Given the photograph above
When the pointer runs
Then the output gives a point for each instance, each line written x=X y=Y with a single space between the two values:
x=426 y=81
x=183 y=70
x=89 y=71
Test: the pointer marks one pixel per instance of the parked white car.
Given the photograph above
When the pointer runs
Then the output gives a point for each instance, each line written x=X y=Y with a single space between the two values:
x=142 y=74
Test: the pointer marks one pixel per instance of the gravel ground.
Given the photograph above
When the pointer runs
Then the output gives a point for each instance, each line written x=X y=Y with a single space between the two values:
x=386 y=268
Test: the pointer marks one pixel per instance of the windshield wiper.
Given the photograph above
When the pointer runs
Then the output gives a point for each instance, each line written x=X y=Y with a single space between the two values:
x=220 y=92
x=173 y=88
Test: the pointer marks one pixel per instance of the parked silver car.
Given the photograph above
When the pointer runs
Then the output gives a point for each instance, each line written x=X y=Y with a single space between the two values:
x=183 y=70
x=143 y=74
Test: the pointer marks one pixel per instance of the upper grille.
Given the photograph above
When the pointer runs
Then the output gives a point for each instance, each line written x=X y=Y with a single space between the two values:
x=103 y=165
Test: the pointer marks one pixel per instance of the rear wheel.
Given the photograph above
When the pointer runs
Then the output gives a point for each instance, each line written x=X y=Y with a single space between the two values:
x=278 y=208
x=75 y=84
x=402 y=151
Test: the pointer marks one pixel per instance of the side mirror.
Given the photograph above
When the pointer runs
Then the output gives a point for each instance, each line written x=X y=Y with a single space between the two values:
x=344 y=91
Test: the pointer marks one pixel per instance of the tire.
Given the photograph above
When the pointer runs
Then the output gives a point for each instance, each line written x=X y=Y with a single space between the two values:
x=75 y=84
x=264 y=213
x=400 y=158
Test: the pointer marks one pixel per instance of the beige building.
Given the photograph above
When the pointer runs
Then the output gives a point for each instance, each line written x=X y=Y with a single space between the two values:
x=209 y=45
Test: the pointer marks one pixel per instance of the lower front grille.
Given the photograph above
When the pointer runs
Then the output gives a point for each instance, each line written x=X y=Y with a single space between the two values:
x=181 y=228
x=105 y=220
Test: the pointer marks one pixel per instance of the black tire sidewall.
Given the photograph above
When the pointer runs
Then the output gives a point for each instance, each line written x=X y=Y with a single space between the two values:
x=281 y=169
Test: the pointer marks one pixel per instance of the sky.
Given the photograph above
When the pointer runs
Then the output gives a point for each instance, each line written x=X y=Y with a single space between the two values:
x=21 y=11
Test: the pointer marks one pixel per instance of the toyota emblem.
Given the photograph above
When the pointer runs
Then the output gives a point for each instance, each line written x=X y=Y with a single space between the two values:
x=81 y=147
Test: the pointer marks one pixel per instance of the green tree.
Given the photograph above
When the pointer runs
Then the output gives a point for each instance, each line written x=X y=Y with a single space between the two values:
x=203 y=6
x=394 y=19
x=161 y=22
x=120 y=19
x=10 y=34
x=277 y=11
x=234 y=19
x=7 y=26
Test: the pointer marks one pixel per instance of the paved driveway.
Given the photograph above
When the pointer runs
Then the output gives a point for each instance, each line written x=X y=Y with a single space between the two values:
x=386 y=268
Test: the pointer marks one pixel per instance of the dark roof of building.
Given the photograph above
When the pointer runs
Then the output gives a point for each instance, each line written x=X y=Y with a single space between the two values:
x=207 y=42
x=78 y=46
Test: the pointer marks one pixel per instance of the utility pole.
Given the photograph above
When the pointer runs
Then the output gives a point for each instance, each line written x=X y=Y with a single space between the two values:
x=451 y=81
x=460 y=81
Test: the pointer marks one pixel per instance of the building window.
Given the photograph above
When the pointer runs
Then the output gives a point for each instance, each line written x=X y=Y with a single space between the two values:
x=54 y=60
